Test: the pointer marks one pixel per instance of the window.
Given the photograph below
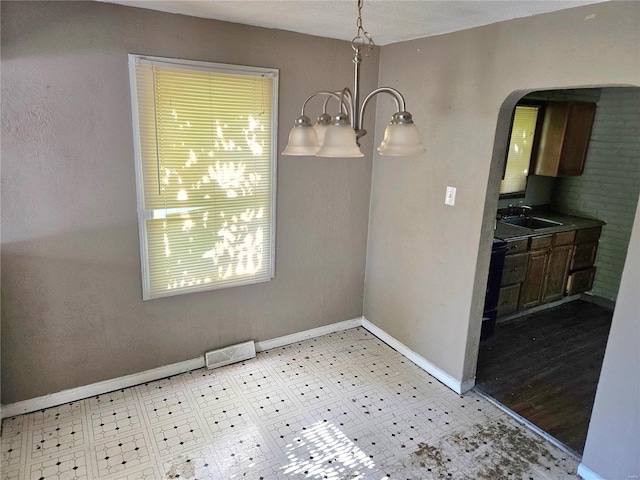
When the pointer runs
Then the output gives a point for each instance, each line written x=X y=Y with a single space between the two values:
x=514 y=181
x=205 y=138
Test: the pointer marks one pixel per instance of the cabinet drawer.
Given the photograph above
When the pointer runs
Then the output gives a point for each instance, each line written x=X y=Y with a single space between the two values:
x=583 y=256
x=564 y=238
x=515 y=269
x=517 y=246
x=581 y=281
x=508 y=300
x=541 y=242
x=588 y=235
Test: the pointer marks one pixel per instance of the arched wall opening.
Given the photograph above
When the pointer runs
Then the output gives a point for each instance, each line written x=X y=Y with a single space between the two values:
x=624 y=156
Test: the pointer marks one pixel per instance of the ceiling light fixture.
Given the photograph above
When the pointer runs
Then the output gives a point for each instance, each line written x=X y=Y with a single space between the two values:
x=338 y=136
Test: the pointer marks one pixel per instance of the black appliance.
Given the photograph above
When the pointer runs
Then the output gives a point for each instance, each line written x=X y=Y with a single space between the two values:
x=490 y=311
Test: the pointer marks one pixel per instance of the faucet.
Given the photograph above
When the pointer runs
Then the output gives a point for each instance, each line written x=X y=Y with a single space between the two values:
x=525 y=210
x=521 y=210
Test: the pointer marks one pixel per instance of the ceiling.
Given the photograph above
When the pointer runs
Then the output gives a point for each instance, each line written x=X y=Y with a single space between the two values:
x=389 y=21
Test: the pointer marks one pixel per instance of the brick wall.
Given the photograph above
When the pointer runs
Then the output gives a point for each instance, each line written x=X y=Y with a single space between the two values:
x=609 y=187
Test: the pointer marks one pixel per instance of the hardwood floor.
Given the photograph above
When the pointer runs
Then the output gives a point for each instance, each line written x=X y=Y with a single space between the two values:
x=545 y=367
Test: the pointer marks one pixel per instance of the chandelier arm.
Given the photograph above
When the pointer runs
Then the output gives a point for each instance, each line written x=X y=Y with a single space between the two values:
x=400 y=103
x=324 y=105
x=347 y=100
x=335 y=95
x=343 y=97
x=349 y=103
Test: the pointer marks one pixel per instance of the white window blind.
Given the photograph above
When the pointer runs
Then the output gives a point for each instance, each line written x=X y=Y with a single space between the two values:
x=205 y=166
x=520 y=146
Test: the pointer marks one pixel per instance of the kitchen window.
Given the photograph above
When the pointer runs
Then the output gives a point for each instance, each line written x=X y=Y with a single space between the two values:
x=523 y=129
x=205 y=154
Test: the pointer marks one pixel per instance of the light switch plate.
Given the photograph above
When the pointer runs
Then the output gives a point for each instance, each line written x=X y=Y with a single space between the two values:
x=450 y=198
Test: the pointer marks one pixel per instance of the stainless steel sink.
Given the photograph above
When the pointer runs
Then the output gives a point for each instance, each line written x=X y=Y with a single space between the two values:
x=534 y=223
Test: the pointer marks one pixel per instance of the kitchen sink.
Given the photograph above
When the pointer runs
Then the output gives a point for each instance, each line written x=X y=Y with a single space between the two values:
x=533 y=223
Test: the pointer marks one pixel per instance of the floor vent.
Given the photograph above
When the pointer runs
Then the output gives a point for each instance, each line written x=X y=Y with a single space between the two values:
x=231 y=354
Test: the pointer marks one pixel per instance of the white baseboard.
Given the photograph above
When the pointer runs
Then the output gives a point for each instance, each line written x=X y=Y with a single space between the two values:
x=307 y=334
x=99 y=388
x=419 y=360
x=86 y=391
x=588 y=474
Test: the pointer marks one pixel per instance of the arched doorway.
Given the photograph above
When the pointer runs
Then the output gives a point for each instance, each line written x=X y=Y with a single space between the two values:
x=544 y=360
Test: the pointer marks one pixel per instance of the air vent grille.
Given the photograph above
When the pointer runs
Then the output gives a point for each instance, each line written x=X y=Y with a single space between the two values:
x=231 y=354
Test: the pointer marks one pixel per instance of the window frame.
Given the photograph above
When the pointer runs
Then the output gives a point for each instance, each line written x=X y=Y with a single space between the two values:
x=144 y=214
x=534 y=148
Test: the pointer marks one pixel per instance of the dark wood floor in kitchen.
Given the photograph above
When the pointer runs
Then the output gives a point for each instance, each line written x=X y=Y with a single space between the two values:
x=545 y=367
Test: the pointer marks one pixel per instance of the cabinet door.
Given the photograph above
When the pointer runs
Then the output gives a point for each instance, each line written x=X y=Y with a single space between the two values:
x=556 y=274
x=531 y=292
x=508 y=300
x=551 y=138
x=564 y=138
x=576 y=138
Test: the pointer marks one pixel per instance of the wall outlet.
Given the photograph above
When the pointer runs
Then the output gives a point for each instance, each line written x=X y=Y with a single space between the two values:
x=450 y=198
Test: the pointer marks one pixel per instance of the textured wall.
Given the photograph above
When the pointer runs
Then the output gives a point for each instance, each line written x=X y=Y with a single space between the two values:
x=609 y=188
x=72 y=309
x=613 y=440
x=427 y=263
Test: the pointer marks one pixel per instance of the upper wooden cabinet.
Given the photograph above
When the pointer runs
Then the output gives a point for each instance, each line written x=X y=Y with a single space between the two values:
x=564 y=138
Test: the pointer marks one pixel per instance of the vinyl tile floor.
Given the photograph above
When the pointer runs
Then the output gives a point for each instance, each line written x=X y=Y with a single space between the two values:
x=340 y=406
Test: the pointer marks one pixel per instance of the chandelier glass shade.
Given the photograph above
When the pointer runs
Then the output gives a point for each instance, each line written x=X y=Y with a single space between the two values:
x=338 y=136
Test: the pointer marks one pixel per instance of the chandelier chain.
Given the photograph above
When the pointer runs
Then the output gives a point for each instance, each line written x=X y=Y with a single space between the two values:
x=362 y=37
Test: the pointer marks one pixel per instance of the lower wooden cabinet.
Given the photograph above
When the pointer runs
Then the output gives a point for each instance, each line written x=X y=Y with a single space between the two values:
x=581 y=281
x=531 y=292
x=546 y=276
x=581 y=269
x=555 y=279
x=543 y=268
x=508 y=299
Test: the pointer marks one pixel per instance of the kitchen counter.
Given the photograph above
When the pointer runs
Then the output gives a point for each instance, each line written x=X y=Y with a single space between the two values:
x=504 y=231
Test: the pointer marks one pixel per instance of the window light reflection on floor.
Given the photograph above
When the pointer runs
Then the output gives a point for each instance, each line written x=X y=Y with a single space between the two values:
x=323 y=449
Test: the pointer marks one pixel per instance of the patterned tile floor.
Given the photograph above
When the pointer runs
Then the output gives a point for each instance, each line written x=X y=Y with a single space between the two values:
x=340 y=406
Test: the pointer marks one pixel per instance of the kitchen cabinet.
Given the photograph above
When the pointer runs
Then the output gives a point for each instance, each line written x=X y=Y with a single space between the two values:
x=545 y=264
x=531 y=290
x=556 y=275
x=581 y=281
x=581 y=269
x=564 y=138
x=514 y=271
x=508 y=300
x=549 y=258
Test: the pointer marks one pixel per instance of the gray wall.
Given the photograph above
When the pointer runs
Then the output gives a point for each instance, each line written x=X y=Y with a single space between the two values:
x=427 y=262
x=609 y=188
x=72 y=309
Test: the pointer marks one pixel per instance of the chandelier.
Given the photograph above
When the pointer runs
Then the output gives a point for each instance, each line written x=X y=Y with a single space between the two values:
x=338 y=136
